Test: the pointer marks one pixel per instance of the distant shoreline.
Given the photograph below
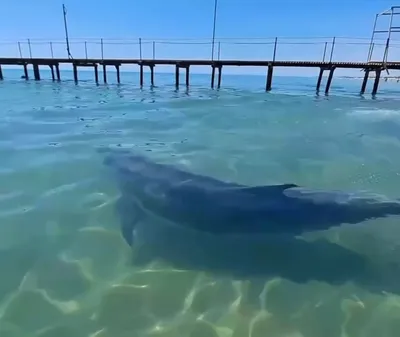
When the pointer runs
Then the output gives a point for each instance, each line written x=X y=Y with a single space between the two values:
x=385 y=78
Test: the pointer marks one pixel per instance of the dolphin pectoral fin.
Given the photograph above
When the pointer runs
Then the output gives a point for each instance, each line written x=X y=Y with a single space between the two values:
x=127 y=234
x=130 y=215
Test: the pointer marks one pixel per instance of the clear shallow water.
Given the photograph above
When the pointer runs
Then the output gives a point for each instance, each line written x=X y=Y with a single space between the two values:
x=65 y=271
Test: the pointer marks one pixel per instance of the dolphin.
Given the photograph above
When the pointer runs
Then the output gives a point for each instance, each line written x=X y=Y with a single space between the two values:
x=218 y=207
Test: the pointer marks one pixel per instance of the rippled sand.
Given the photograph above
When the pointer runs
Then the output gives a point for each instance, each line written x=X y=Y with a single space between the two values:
x=65 y=269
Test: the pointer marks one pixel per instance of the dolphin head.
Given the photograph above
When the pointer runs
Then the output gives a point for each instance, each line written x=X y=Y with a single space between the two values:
x=123 y=159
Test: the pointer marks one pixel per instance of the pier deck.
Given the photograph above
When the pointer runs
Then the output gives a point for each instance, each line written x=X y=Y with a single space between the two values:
x=54 y=63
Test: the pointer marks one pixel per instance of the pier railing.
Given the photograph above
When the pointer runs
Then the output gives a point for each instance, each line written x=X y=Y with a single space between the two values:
x=325 y=54
x=327 y=49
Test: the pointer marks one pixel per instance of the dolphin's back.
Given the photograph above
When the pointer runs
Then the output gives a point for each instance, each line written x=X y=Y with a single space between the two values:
x=218 y=207
x=200 y=202
x=138 y=168
x=192 y=200
x=226 y=209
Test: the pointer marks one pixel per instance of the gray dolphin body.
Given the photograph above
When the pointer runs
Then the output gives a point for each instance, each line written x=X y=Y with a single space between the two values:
x=209 y=205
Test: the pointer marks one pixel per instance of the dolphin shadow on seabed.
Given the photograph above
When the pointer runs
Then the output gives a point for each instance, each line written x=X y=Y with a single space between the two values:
x=199 y=223
x=260 y=257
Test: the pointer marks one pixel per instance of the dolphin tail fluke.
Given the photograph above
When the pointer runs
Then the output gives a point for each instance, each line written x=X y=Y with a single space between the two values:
x=394 y=208
x=381 y=210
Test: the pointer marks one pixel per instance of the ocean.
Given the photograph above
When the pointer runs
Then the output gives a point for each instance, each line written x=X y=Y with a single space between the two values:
x=66 y=270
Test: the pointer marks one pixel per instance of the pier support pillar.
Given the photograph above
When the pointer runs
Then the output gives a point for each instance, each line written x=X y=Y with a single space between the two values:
x=187 y=75
x=75 y=67
x=58 y=72
x=36 y=72
x=96 y=73
x=118 y=73
x=1 y=73
x=329 y=81
x=152 y=74
x=52 y=72
x=321 y=73
x=219 y=77
x=376 y=82
x=268 y=86
x=26 y=74
x=177 y=75
x=365 y=80
x=141 y=75
x=212 y=76
x=104 y=73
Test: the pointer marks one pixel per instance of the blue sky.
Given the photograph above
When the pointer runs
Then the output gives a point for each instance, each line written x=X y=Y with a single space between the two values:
x=168 y=21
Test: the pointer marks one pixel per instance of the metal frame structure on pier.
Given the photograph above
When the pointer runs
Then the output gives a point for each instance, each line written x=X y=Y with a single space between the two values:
x=392 y=28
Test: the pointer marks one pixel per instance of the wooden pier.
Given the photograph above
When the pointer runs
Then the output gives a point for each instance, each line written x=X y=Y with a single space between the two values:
x=330 y=67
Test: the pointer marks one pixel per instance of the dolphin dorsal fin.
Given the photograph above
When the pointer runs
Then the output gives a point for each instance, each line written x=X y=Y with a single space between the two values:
x=269 y=189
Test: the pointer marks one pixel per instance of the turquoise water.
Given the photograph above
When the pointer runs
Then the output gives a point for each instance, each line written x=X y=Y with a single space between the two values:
x=66 y=271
